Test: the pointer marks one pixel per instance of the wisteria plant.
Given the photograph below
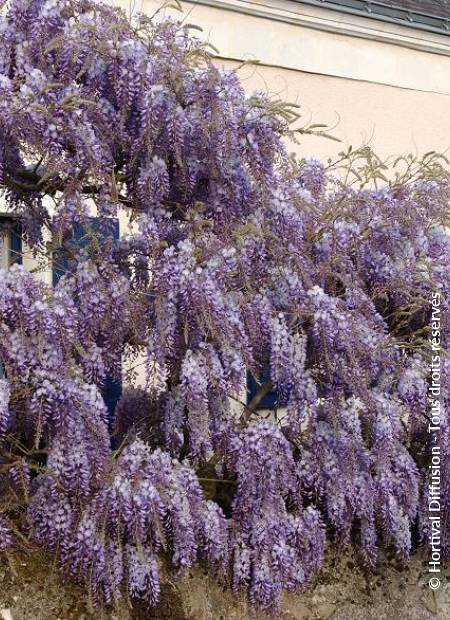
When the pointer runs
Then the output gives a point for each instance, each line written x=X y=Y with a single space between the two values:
x=236 y=256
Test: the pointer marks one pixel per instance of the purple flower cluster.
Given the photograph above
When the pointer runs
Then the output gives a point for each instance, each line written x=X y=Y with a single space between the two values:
x=276 y=544
x=148 y=503
x=235 y=256
x=4 y=406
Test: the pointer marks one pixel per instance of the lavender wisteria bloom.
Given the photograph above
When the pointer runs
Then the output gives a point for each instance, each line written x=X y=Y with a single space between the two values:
x=238 y=259
x=274 y=548
x=4 y=405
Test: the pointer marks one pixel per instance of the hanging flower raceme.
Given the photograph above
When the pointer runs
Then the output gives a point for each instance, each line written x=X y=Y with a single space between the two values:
x=276 y=543
x=4 y=405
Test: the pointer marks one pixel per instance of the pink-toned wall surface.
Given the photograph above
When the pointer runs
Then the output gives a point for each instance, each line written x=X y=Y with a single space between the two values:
x=390 y=119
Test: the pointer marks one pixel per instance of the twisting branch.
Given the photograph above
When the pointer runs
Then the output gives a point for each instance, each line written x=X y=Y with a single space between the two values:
x=257 y=398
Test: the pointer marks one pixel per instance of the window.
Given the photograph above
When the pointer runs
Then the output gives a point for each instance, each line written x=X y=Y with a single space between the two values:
x=10 y=250
x=10 y=241
x=272 y=399
x=82 y=237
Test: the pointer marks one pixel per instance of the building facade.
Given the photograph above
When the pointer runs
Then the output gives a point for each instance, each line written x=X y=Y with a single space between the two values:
x=377 y=73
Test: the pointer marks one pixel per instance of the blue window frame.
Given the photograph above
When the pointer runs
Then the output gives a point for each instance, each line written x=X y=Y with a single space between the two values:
x=82 y=237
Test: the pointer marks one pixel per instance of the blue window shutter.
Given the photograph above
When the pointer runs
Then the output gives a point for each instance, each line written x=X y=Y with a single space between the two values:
x=81 y=238
x=15 y=244
x=112 y=389
x=272 y=399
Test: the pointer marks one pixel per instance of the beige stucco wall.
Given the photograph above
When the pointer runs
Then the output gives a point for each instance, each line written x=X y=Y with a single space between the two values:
x=376 y=83
x=391 y=120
